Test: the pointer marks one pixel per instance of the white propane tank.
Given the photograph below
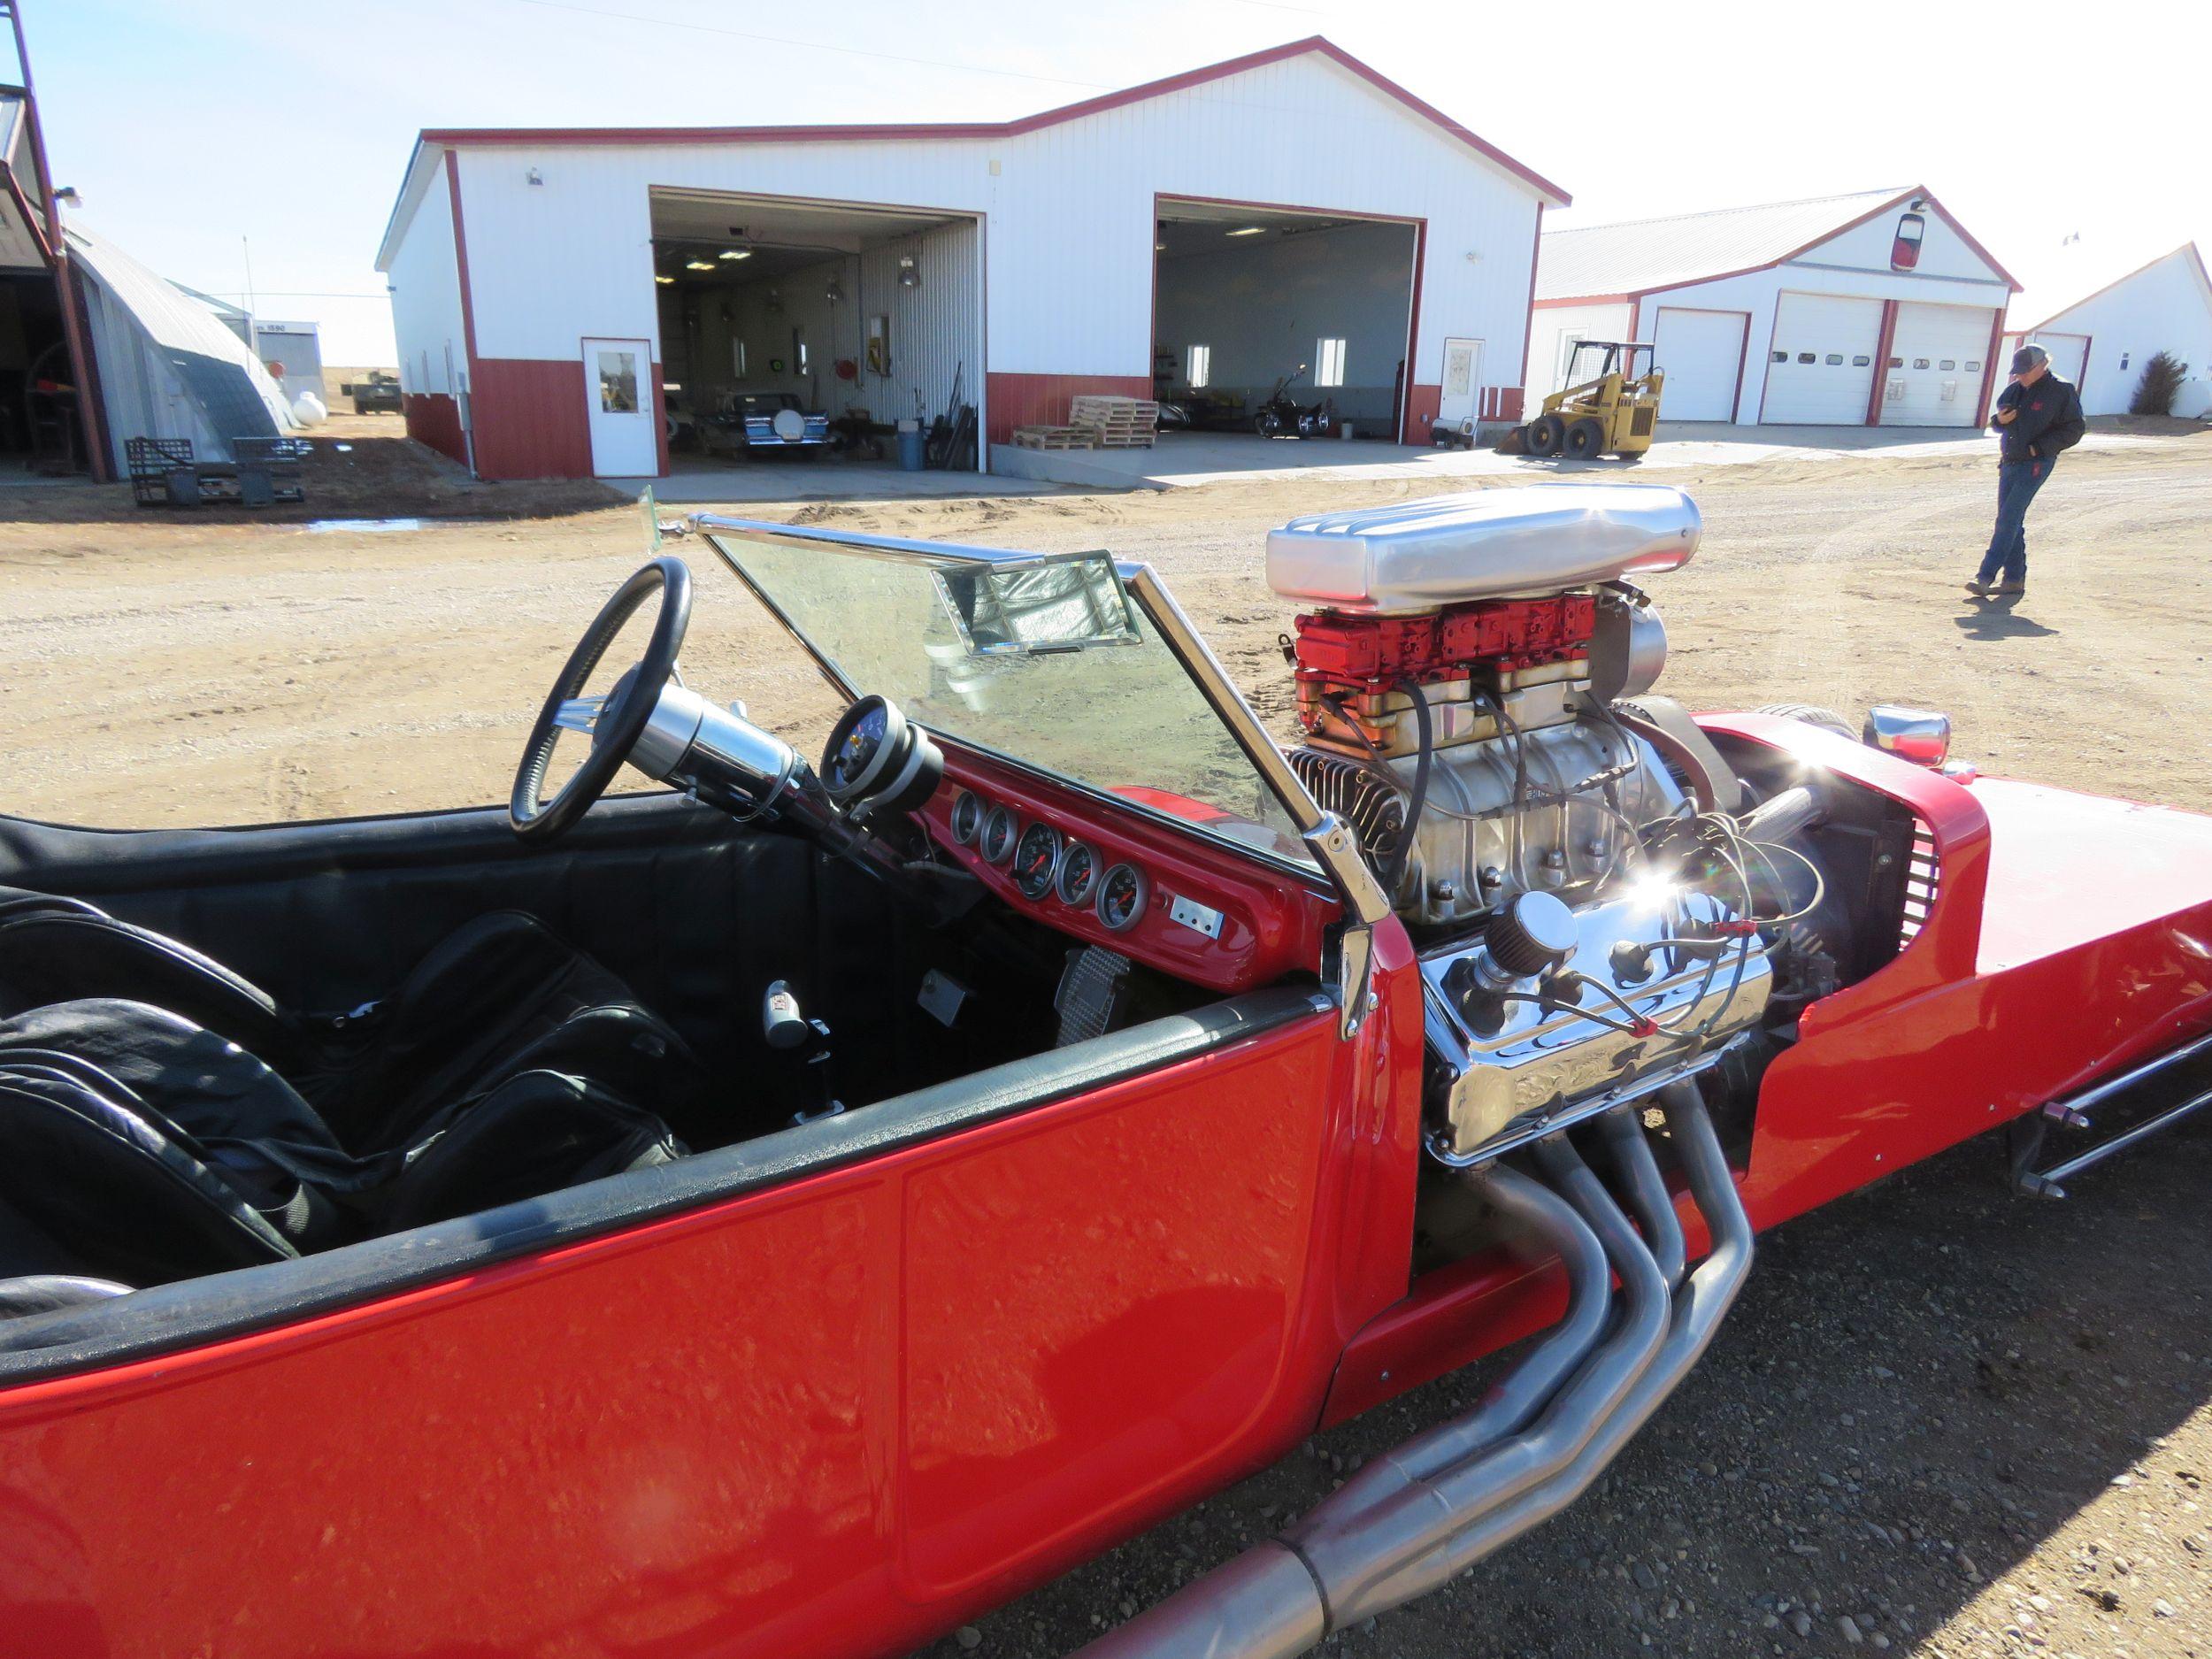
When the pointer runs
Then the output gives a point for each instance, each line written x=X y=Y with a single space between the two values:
x=308 y=409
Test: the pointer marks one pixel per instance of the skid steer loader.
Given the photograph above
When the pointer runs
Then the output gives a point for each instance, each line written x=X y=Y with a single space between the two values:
x=1612 y=413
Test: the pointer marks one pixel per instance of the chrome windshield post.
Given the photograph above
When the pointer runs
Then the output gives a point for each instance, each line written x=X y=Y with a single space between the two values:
x=1333 y=844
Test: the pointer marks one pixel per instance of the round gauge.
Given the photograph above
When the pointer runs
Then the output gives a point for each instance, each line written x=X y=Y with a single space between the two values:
x=967 y=817
x=997 y=845
x=1079 y=872
x=1037 y=860
x=875 y=756
x=1122 y=893
x=856 y=745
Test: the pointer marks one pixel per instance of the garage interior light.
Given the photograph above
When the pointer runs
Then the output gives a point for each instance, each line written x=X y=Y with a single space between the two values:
x=737 y=253
x=1250 y=230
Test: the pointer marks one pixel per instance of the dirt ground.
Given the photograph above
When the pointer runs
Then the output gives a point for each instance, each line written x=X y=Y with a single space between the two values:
x=1968 y=1423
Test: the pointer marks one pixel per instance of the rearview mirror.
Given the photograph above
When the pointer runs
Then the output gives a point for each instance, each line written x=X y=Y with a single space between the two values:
x=1065 y=605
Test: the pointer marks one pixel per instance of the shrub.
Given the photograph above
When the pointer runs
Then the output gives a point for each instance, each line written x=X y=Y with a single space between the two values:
x=2162 y=380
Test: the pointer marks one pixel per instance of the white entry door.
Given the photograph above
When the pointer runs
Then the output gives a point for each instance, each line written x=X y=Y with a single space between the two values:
x=1700 y=353
x=1937 y=355
x=618 y=401
x=1820 y=369
x=1462 y=385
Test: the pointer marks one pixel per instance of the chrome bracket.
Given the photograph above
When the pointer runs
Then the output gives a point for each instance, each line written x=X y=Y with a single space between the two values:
x=1337 y=852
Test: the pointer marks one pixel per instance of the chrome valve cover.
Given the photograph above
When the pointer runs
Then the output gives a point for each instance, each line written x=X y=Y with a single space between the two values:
x=1497 y=1060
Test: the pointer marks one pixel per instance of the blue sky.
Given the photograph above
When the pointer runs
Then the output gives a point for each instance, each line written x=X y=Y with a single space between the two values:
x=189 y=124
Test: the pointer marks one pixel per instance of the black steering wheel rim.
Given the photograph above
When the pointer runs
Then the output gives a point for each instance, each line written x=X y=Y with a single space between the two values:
x=617 y=727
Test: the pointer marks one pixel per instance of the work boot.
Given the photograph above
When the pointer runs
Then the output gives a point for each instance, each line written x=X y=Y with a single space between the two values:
x=1979 y=589
x=2007 y=590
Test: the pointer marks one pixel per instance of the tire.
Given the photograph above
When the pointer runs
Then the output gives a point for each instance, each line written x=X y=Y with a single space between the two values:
x=1546 y=434
x=1265 y=424
x=1585 y=439
x=1812 y=714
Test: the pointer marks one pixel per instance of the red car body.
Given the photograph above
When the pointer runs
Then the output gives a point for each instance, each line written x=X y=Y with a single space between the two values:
x=838 y=1415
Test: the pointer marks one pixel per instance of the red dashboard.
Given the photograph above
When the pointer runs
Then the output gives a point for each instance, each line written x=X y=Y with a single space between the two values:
x=1158 y=895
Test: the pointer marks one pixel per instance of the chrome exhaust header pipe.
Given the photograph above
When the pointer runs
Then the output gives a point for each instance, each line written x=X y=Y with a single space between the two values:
x=1266 y=1601
x=1700 y=1306
x=1358 y=1560
x=1451 y=1497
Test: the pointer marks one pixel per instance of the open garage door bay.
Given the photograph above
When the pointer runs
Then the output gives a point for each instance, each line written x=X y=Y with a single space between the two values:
x=1702 y=353
x=1937 y=355
x=1820 y=372
x=803 y=332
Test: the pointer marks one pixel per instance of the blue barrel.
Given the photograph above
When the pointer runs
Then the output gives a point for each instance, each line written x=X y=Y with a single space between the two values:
x=910 y=446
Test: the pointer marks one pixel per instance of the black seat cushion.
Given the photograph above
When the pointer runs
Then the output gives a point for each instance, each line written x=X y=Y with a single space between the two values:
x=129 y=1192
x=531 y=1134
x=56 y=949
x=153 y=1149
x=498 y=996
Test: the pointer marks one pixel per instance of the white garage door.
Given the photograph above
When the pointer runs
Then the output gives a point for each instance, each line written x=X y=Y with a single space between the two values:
x=1821 y=370
x=1700 y=352
x=1937 y=355
x=2067 y=353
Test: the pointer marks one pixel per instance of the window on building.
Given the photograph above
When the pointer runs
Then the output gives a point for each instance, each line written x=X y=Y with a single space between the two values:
x=1806 y=357
x=1781 y=356
x=617 y=382
x=1973 y=366
x=1198 y=367
x=2124 y=359
x=1897 y=363
x=1835 y=359
x=1861 y=363
x=1328 y=362
x=1947 y=365
x=1920 y=363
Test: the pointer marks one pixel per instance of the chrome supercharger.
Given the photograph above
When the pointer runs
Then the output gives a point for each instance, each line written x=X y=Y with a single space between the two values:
x=1457 y=670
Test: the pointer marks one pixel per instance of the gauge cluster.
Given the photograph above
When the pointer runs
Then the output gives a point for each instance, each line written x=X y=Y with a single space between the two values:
x=1046 y=864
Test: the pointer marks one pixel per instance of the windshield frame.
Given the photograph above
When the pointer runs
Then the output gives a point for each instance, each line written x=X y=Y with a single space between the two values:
x=1141 y=588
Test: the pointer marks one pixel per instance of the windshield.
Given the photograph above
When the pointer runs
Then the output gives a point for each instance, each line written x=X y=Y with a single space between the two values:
x=1047 y=663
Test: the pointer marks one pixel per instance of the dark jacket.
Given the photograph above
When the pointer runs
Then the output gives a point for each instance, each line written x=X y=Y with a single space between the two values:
x=2049 y=420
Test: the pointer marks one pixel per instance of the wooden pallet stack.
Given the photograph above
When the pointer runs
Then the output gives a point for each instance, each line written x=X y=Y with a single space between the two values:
x=1121 y=423
x=1056 y=437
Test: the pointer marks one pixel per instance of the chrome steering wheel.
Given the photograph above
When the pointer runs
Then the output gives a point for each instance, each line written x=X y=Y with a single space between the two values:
x=613 y=722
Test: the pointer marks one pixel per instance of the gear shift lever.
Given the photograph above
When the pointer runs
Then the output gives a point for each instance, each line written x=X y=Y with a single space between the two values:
x=785 y=1025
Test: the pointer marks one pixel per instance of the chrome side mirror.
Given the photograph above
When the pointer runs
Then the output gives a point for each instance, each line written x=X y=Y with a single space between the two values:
x=1919 y=735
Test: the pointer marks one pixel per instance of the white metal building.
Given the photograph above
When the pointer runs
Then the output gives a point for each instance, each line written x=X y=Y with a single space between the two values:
x=2101 y=341
x=1202 y=235
x=1874 y=309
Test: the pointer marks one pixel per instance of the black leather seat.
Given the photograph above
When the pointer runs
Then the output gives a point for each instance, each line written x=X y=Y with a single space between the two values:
x=162 y=1116
x=149 y=1148
x=499 y=996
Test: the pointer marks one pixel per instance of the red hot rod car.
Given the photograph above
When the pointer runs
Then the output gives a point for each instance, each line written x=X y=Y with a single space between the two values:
x=792 y=1212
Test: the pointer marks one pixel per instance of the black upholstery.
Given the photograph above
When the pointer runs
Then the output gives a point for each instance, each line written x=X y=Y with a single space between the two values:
x=497 y=997
x=156 y=1150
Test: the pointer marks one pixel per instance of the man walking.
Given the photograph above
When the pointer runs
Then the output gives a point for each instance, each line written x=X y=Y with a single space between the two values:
x=2037 y=416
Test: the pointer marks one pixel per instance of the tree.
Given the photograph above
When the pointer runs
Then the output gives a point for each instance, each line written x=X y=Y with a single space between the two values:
x=2162 y=380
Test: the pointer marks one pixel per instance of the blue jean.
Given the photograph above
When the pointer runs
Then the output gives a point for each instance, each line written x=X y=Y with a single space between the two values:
x=2016 y=484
